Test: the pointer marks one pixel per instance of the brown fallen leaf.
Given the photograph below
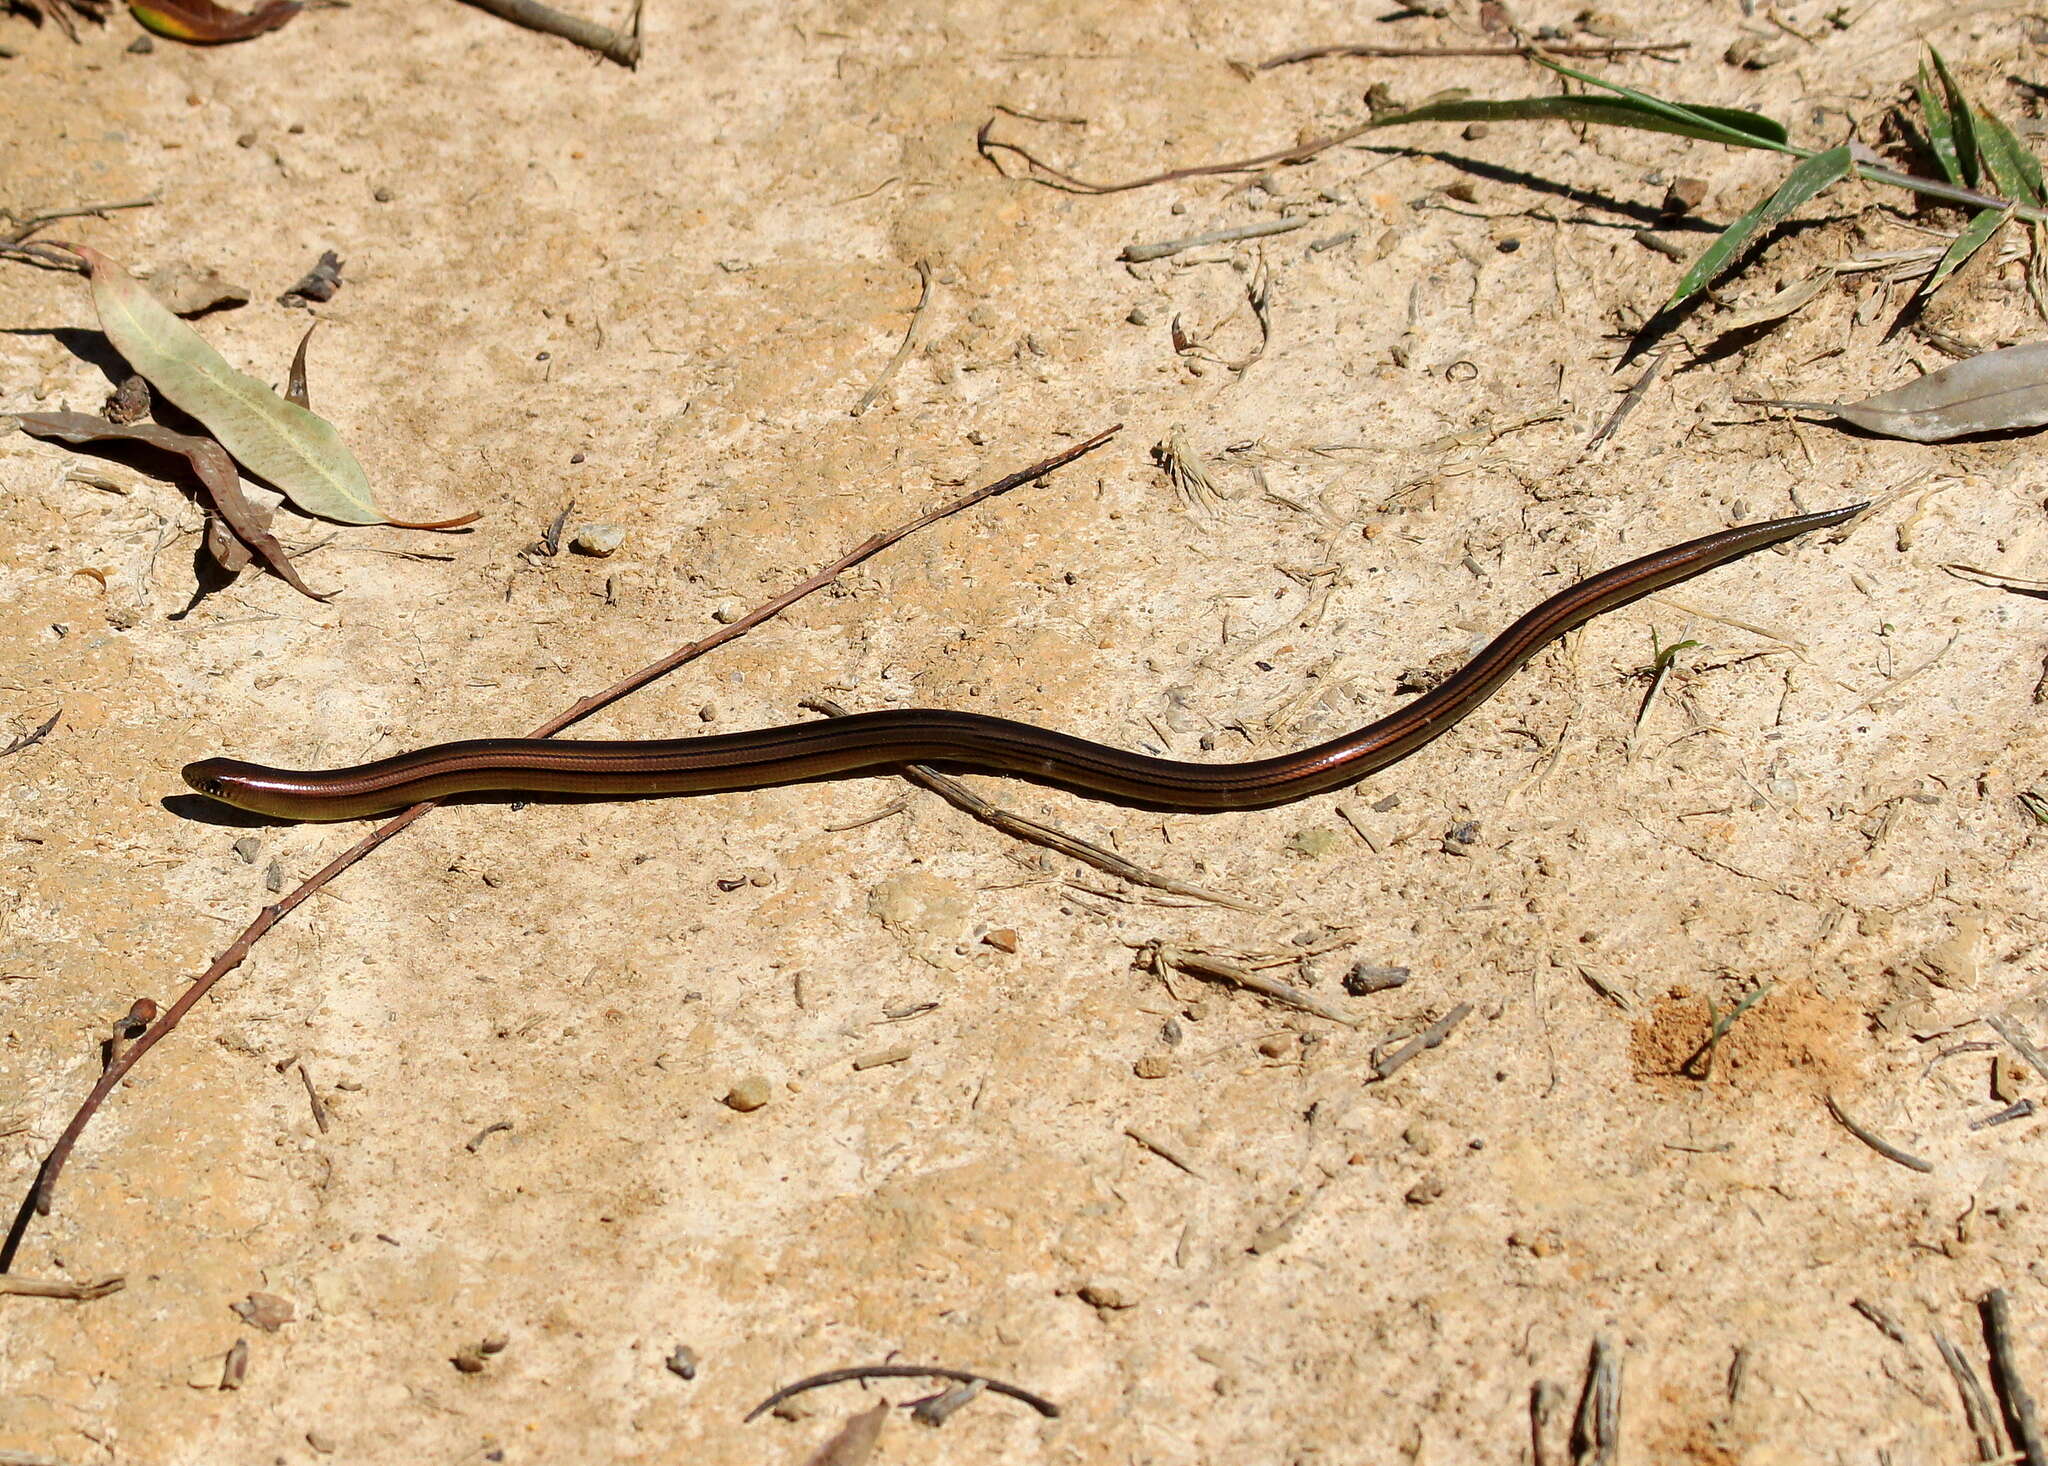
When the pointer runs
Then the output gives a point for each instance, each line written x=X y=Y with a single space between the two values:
x=210 y=461
x=203 y=23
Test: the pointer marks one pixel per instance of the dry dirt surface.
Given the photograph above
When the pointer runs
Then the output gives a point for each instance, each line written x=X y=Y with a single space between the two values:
x=476 y=1093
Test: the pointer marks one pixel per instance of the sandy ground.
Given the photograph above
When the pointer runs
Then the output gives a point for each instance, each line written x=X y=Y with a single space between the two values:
x=657 y=295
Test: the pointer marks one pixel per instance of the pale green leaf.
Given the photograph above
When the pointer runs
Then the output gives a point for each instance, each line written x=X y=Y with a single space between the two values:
x=292 y=449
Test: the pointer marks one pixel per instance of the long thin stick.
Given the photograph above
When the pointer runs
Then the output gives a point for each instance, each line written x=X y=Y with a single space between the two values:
x=1394 y=53
x=2020 y=1418
x=622 y=46
x=38 y=1201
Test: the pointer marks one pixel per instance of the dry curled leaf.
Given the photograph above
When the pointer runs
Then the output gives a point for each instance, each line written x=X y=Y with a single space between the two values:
x=216 y=473
x=1995 y=392
x=203 y=23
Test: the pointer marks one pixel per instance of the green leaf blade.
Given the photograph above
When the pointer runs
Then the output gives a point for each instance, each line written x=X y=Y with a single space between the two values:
x=1802 y=183
x=1724 y=124
x=2011 y=164
x=1975 y=233
x=1709 y=124
x=1960 y=120
x=299 y=453
x=1941 y=133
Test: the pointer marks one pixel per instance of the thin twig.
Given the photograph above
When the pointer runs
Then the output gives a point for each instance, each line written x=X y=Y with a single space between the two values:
x=1043 y=1406
x=76 y=1292
x=1138 y=254
x=1299 y=153
x=1164 y=1151
x=1023 y=828
x=1162 y=955
x=23 y=228
x=1976 y=1404
x=38 y=1201
x=2012 y=1033
x=1891 y=1327
x=1884 y=1148
x=1395 y=53
x=313 y=1097
x=924 y=299
x=1630 y=401
x=1424 y=1041
x=2020 y=1419
x=622 y=46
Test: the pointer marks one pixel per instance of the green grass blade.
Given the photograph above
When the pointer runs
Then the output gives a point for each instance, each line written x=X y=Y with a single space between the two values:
x=1941 y=133
x=1975 y=233
x=1728 y=125
x=1960 y=121
x=1712 y=124
x=2008 y=160
x=1802 y=183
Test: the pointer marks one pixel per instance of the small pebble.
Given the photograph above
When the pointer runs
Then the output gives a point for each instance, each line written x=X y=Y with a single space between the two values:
x=1276 y=1046
x=141 y=46
x=896 y=1055
x=682 y=1362
x=320 y=1442
x=1366 y=977
x=748 y=1094
x=469 y=1361
x=1423 y=1192
x=1153 y=1066
x=1684 y=195
x=246 y=848
x=1318 y=842
x=383 y=195
x=726 y=612
x=1139 y=316
x=1108 y=1295
x=1003 y=939
x=1475 y=131
x=1752 y=53
x=598 y=539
